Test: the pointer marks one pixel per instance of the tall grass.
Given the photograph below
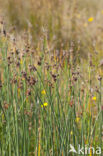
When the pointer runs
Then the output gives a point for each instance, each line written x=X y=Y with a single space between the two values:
x=46 y=102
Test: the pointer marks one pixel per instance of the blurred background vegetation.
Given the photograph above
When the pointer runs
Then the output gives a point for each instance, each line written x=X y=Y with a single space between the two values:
x=62 y=21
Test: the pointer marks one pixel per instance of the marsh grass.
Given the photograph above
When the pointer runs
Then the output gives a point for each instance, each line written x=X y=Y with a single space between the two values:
x=46 y=101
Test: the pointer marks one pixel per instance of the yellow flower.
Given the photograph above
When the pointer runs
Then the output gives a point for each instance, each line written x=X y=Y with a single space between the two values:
x=102 y=11
x=45 y=104
x=90 y=19
x=77 y=119
x=43 y=92
x=42 y=106
x=94 y=98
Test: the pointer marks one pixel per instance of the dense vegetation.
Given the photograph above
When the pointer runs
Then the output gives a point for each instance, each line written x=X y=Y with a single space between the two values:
x=51 y=77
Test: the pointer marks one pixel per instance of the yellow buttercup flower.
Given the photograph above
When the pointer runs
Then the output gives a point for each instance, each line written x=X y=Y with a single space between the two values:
x=94 y=98
x=90 y=19
x=42 y=106
x=45 y=104
x=43 y=92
